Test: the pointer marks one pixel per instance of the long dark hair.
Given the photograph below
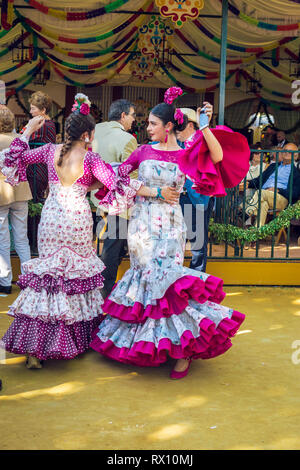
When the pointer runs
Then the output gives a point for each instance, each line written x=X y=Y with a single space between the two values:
x=165 y=112
x=76 y=124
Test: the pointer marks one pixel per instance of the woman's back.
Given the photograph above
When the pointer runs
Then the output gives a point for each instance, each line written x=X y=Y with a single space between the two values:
x=71 y=168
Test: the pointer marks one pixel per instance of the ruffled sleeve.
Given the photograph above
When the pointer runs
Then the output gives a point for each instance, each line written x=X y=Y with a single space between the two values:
x=119 y=191
x=210 y=179
x=15 y=159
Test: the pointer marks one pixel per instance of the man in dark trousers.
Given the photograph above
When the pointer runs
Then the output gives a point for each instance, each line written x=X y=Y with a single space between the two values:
x=196 y=207
x=115 y=144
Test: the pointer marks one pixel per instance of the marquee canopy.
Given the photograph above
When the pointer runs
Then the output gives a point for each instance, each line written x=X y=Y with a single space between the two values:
x=123 y=42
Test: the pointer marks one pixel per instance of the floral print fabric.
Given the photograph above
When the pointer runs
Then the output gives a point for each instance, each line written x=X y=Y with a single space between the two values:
x=137 y=328
x=62 y=287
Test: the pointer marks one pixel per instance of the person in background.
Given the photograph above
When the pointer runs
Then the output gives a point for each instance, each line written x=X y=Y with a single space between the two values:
x=96 y=113
x=193 y=203
x=268 y=137
x=281 y=139
x=272 y=157
x=115 y=144
x=254 y=170
x=284 y=183
x=161 y=308
x=40 y=105
x=60 y=300
x=13 y=206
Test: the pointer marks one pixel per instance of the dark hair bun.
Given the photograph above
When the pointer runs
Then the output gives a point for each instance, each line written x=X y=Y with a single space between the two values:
x=76 y=124
x=165 y=112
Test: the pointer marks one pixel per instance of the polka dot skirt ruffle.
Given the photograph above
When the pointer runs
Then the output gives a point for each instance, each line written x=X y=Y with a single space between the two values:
x=48 y=340
x=54 y=285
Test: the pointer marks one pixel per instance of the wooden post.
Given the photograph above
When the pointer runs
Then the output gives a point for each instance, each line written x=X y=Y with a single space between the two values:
x=223 y=62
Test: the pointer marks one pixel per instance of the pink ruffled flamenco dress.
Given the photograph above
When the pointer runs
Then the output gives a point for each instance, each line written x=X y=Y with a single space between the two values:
x=160 y=308
x=60 y=303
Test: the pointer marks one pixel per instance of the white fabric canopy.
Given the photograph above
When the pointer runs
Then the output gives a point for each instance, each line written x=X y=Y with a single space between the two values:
x=204 y=36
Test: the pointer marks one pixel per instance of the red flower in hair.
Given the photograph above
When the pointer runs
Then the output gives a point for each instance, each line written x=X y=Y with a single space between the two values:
x=171 y=94
x=179 y=116
x=84 y=109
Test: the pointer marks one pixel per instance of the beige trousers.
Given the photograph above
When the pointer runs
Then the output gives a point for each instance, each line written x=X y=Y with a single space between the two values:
x=267 y=202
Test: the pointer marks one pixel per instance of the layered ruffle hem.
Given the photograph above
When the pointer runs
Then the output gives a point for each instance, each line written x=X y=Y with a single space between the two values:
x=58 y=308
x=187 y=321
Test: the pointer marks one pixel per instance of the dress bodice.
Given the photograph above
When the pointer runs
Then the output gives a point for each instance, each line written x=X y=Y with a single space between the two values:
x=157 y=168
x=159 y=173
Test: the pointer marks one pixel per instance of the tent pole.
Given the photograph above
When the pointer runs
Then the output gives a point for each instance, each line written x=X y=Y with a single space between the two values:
x=223 y=62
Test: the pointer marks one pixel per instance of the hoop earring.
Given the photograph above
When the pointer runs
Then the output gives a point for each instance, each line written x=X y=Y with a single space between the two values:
x=167 y=135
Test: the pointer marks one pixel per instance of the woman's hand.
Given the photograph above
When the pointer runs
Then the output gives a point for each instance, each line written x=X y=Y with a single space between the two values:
x=171 y=195
x=208 y=110
x=204 y=115
x=34 y=125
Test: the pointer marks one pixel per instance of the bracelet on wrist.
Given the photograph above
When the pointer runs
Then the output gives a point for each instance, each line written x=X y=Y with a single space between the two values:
x=159 y=195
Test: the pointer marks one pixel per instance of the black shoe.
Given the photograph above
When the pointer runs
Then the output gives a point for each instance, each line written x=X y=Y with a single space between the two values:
x=5 y=289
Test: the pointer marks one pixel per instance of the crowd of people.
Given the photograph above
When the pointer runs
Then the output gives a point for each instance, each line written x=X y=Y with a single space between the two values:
x=273 y=180
x=153 y=198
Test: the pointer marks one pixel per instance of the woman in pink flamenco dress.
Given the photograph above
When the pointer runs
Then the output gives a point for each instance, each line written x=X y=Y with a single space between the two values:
x=160 y=308
x=60 y=303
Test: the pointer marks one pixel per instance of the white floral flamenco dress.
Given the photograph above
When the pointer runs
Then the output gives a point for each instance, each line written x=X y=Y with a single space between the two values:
x=60 y=303
x=160 y=308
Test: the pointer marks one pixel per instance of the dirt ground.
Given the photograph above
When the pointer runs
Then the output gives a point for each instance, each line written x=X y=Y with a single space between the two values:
x=246 y=399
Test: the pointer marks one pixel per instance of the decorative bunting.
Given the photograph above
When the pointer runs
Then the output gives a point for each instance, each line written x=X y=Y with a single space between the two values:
x=247 y=75
x=275 y=57
x=49 y=34
x=190 y=89
x=238 y=79
x=14 y=44
x=85 y=67
x=7 y=14
x=76 y=16
x=180 y=10
x=231 y=61
x=234 y=47
x=262 y=24
x=28 y=77
x=274 y=72
x=90 y=85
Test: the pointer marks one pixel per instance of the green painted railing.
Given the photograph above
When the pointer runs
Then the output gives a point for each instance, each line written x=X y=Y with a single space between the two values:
x=232 y=210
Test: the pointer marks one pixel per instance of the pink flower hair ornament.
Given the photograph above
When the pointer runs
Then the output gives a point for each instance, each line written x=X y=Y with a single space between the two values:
x=179 y=116
x=81 y=104
x=172 y=94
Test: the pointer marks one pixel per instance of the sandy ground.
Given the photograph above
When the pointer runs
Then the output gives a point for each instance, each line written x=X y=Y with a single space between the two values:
x=246 y=399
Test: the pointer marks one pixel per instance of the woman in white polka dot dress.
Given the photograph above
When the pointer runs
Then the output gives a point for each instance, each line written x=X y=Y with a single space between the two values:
x=60 y=302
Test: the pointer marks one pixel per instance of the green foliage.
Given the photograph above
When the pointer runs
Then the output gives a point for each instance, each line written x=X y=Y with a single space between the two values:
x=222 y=232
x=34 y=208
x=230 y=233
